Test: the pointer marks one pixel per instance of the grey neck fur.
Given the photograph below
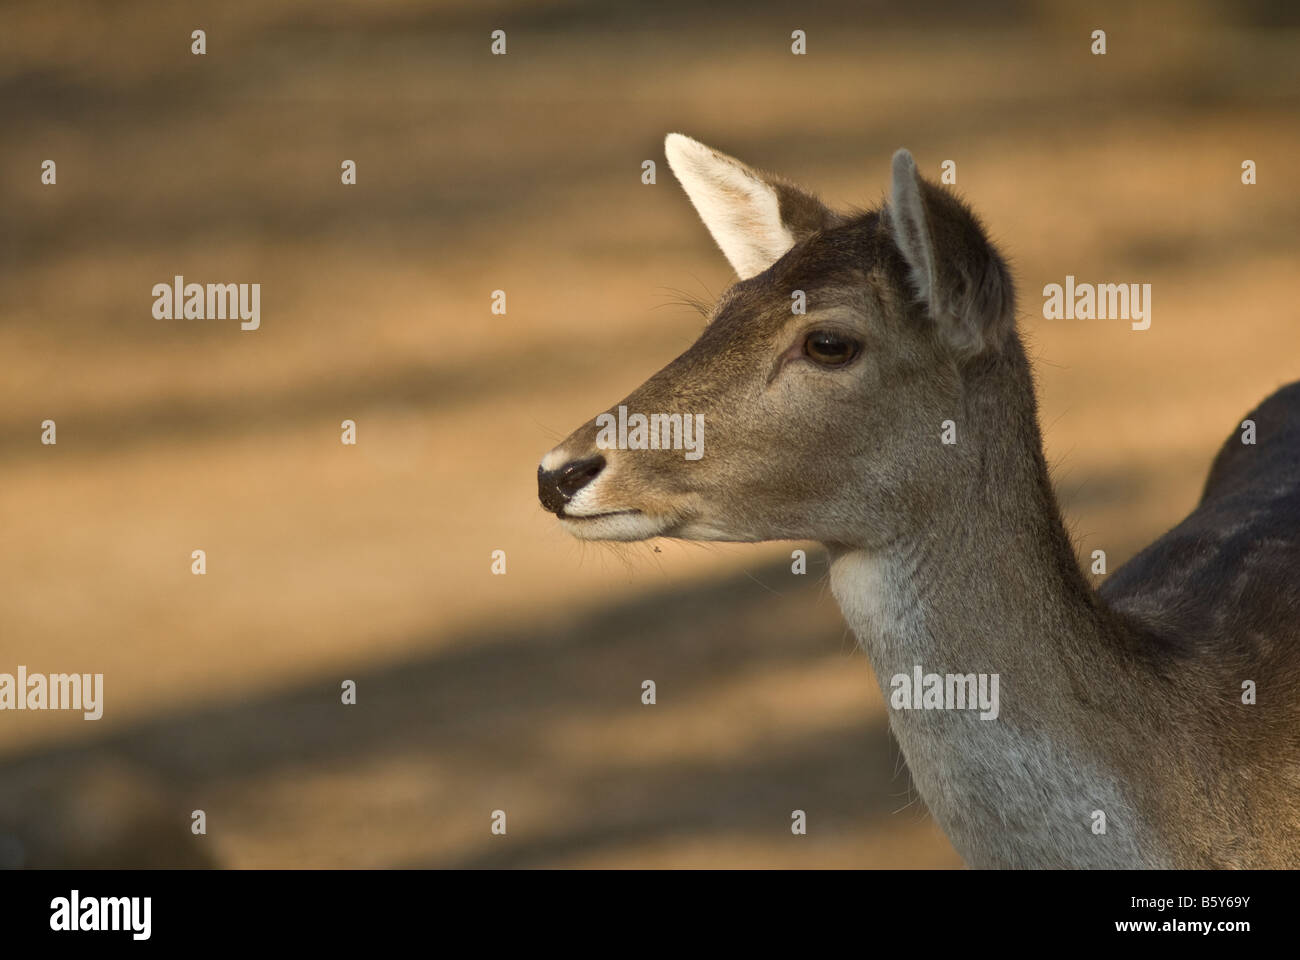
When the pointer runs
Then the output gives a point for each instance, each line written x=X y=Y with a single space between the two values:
x=992 y=586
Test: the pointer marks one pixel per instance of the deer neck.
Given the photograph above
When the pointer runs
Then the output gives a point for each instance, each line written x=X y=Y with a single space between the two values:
x=989 y=585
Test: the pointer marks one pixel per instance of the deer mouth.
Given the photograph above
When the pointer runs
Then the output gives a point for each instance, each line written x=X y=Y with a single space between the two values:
x=625 y=525
x=593 y=516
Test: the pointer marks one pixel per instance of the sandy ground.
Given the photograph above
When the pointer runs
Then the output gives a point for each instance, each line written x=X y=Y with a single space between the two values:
x=372 y=563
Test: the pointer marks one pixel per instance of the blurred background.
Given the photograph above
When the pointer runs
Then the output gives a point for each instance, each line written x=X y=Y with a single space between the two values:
x=372 y=563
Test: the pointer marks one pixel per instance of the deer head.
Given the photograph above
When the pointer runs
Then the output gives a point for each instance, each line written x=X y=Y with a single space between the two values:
x=821 y=424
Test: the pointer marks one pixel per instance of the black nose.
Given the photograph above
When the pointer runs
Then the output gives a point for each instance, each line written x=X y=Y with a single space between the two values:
x=555 y=488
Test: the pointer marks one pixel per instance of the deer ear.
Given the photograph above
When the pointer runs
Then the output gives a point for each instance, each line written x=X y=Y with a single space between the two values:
x=754 y=218
x=954 y=269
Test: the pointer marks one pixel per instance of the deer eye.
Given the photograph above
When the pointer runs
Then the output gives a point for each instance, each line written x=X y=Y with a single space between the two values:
x=829 y=349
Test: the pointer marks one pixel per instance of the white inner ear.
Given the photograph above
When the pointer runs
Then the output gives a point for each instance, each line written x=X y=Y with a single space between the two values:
x=741 y=209
x=907 y=217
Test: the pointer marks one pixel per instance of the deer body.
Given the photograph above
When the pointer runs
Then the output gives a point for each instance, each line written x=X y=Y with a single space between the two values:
x=954 y=558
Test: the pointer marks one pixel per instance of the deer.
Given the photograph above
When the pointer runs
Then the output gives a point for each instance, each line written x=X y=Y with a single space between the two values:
x=1127 y=735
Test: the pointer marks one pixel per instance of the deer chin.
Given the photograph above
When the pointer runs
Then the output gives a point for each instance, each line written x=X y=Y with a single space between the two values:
x=632 y=525
x=624 y=525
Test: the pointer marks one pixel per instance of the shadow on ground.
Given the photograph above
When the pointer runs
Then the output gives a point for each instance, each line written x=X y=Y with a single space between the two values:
x=491 y=701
